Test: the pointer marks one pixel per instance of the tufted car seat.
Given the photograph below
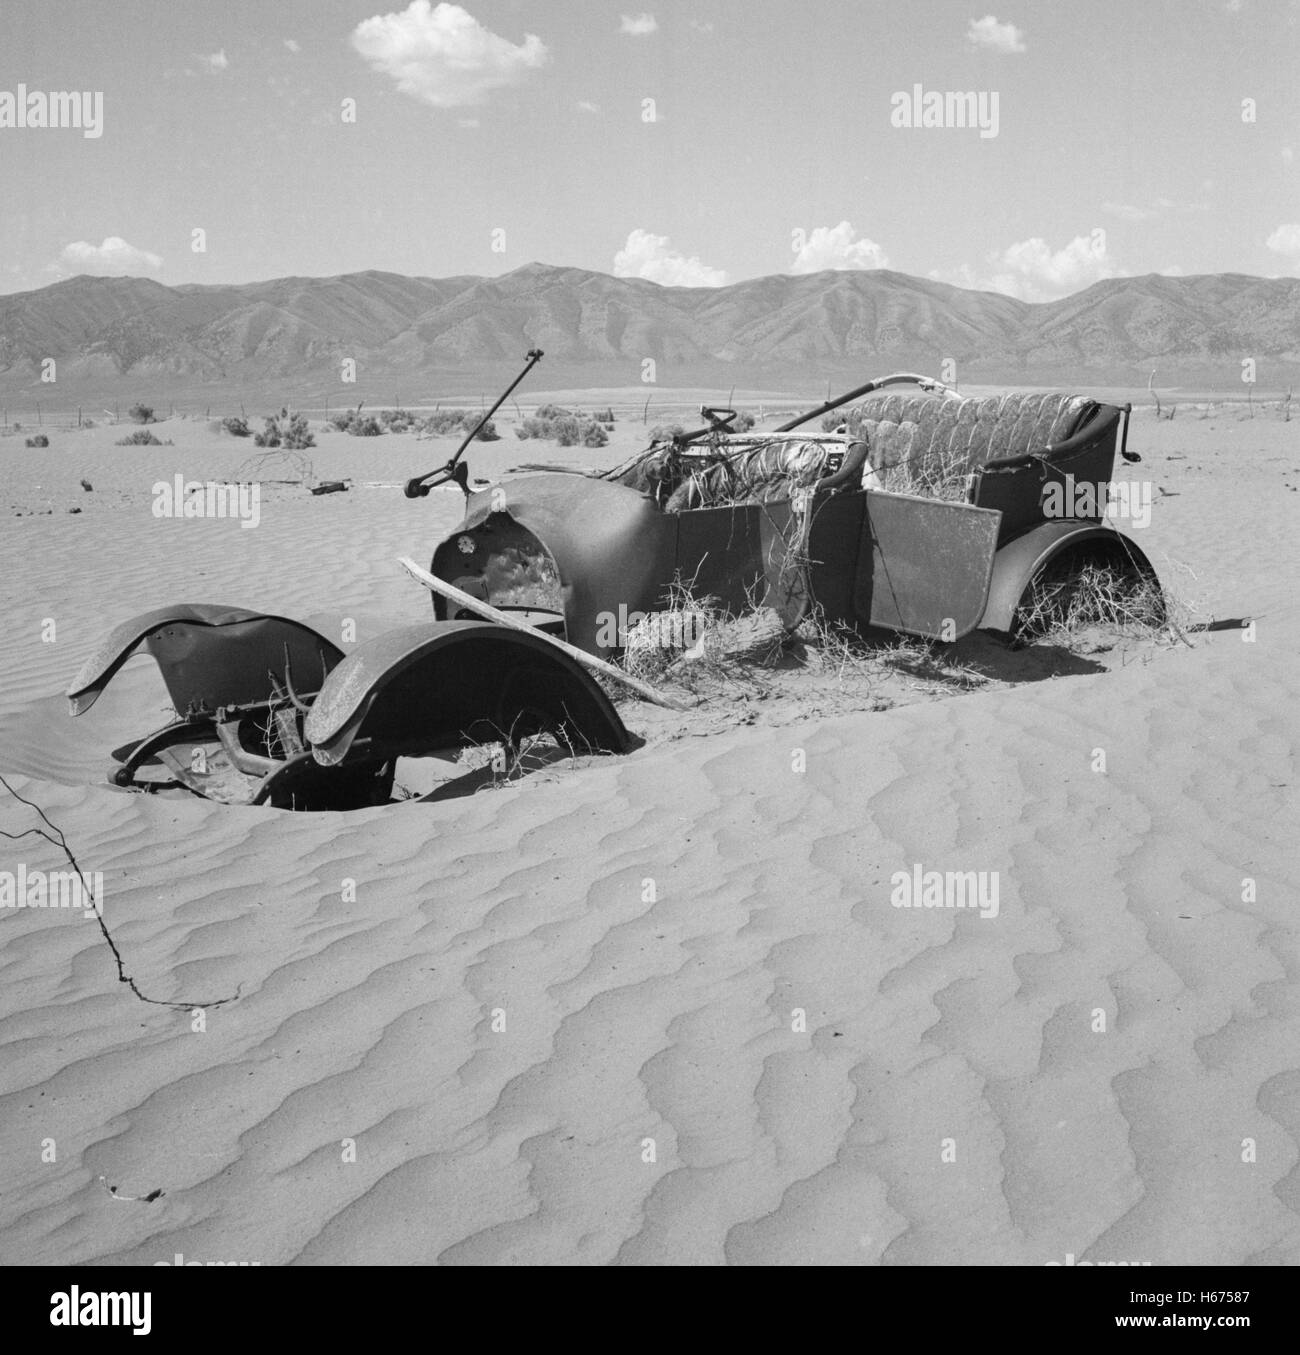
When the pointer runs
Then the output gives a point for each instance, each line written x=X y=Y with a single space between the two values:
x=928 y=445
x=773 y=470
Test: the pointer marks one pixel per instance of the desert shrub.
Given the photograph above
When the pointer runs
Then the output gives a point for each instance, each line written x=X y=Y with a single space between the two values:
x=235 y=426
x=449 y=422
x=285 y=430
x=358 y=424
x=442 y=422
x=605 y=415
x=142 y=437
x=552 y=412
x=397 y=420
x=1072 y=596
x=141 y=413
x=40 y=440
x=568 y=431
x=744 y=421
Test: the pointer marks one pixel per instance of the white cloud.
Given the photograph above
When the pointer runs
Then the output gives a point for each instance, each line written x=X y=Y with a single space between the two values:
x=292 y=45
x=835 y=247
x=1287 y=155
x=1286 y=242
x=114 y=258
x=987 y=32
x=638 y=26
x=649 y=256
x=701 y=25
x=443 y=56
x=1032 y=271
x=586 y=106
x=218 y=61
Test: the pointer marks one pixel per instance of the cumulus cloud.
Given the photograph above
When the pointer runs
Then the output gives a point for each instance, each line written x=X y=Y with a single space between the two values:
x=218 y=61
x=639 y=25
x=442 y=55
x=837 y=247
x=586 y=106
x=650 y=257
x=1285 y=241
x=1033 y=271
x=987 y=32
x=292 y=45
x=114 y=258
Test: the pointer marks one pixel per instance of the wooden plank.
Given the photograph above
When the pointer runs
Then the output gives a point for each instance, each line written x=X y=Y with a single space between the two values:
x=490 y=613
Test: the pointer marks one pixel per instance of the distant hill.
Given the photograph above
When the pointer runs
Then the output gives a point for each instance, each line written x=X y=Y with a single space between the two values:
x=132 y=336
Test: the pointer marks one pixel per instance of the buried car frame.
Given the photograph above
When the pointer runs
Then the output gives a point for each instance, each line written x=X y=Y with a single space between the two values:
x=929 y=514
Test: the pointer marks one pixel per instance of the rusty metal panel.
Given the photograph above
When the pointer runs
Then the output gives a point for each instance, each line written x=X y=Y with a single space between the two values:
x=746 y=555
x=924 y=565
x=209 y=655
x=834 y=539
x=720 y=552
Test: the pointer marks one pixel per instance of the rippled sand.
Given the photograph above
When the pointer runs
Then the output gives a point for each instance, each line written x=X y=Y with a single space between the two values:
x=659 y=1009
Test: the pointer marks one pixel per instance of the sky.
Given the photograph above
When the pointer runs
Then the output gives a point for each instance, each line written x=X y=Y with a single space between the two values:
x=692 y=143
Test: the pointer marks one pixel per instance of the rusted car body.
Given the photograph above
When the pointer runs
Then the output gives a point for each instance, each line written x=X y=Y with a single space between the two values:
x=790 y=521
x=925 y=514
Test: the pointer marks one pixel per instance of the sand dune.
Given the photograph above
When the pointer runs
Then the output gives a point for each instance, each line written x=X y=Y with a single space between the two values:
x=660 y=1009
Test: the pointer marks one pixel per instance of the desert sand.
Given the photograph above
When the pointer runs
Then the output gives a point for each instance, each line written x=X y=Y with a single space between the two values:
x=659 y=1009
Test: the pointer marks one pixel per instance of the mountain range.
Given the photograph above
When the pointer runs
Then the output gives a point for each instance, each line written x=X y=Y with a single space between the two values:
x=134 y=336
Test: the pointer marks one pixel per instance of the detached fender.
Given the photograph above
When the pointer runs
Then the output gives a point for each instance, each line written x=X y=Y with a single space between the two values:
x=209 y=655
x=1016 y=564
x=446 y=684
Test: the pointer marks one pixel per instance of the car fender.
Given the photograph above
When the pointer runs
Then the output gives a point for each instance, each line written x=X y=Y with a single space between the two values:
x=445 y=684
x=1016 y=563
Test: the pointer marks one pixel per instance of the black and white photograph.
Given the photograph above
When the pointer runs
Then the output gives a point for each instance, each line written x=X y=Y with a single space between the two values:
x=649 y=637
